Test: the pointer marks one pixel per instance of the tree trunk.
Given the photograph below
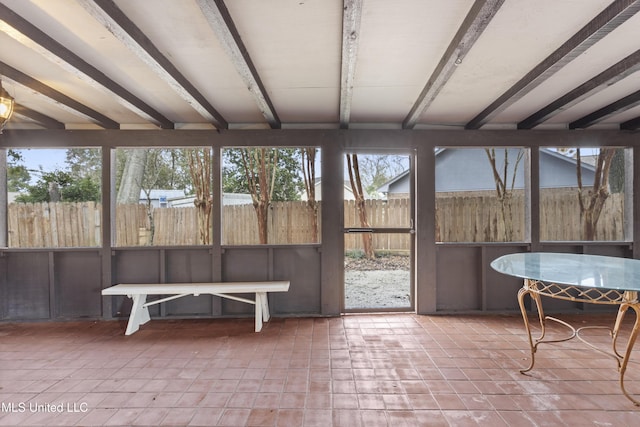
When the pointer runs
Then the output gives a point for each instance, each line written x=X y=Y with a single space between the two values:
x=200 y=171
x=132 y=176
x=54 y=192
x=358 y=193
x=309 y=174
x=260 y=166
x=262 y=214
x=504 y=189
x=592 y=201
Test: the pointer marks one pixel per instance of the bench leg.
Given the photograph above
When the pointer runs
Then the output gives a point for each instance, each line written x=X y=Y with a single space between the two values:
x=265 y=307
x=262 y=310
x=258 y=314
x=139 y=314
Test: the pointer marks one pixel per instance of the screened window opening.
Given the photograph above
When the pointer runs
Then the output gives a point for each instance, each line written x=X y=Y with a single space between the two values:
x=271 y=195
x=480 y=194
x=163 y=196
x=582 y=193
x=54 y=198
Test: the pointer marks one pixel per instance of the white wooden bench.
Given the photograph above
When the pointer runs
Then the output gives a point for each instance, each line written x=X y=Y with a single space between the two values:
x=140 y=311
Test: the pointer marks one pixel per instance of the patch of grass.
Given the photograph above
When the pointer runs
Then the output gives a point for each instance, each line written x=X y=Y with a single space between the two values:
x=354 y=254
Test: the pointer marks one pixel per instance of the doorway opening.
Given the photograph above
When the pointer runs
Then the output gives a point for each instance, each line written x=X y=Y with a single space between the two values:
x=378 y=233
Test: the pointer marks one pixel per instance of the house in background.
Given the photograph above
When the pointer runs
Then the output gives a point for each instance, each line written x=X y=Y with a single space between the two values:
x=228 y=199
x=468 y=169
x=161 y=198
x=11 y=196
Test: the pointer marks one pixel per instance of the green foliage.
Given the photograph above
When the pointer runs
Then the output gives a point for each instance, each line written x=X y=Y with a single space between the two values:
x=354 y=254
x=63 y=184
x=78 y=183
x=17 y=178
x=165 y=168
x=288 y=181
x=85 y=163
x=168 y=169
x=82 y=190
x=40 y=191
x=18 y=175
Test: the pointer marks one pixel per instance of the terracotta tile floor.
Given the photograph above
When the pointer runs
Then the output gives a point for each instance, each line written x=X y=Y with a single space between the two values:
x=357 y=370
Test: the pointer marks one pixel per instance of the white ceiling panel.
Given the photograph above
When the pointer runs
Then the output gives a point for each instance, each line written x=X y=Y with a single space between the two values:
x=597 y=59
x=289 y=73
x=194 y=49
x=295 y=46
x=603 y=98
x=520 y=36
x=394 y=65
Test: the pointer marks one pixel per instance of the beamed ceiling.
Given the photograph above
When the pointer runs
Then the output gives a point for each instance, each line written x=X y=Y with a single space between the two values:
x=270 y=64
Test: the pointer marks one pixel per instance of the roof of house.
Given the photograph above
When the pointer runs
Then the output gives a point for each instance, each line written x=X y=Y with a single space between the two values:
x=156 y=194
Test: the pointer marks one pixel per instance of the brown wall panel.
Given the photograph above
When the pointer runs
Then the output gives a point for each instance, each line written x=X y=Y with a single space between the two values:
x=77 y=282
x=27 y=286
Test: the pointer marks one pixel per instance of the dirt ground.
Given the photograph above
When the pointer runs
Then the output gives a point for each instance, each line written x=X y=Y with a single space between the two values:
x=379 y=283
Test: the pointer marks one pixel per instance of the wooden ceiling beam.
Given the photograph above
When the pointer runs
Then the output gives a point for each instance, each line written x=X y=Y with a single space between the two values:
x=351 y=17
x=476 y=21
x=617 y=107
x=113 y=19
x=633 y=124
x=611 y=75
x=220 y=21
x=57 y=97
x=344 y=139
x=41 y=119
x=603 y=24
x=28 y=35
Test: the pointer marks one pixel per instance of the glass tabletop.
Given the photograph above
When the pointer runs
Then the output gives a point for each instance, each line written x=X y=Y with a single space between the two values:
x=588 y=271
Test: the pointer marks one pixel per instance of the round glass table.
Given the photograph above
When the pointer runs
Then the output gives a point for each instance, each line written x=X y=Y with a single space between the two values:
x=583 y=278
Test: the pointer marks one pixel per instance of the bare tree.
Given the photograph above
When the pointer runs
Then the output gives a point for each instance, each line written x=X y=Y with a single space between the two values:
x=260 y=167
x=309 y=175
x=377 y=169
x=505 y=186
x=592 y=200
x=199 y=160
x=356 y=186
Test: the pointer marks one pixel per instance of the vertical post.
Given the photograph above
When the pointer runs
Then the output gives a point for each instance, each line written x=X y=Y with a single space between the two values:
x=216 y=214
x=332 y=261
x=4 y=203
x=635 y=195
x=532 y=198
x=108 y=231
x=413 y=215
x=425 y=226
x=4 y=223
x=216 y=223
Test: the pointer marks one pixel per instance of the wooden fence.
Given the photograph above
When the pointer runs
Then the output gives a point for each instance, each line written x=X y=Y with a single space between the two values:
x=54 y=225
x=478 y=217
x=459 y=218
x=392 y=213
x=289 y=222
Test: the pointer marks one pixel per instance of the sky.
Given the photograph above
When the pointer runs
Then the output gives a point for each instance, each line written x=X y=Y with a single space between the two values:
x=49 y=159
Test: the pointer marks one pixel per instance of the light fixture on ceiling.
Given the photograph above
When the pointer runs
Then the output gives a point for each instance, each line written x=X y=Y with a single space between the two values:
x=6 y=106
